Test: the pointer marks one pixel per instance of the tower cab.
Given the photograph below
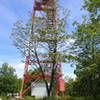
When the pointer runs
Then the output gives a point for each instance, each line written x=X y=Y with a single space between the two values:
x=45 y=1
x=39 y=3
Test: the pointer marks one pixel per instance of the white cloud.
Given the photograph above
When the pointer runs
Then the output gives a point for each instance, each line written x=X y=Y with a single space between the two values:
x=14 y=62
x=69 y=75
x=70 y=41
x=19 y=66
x=1 y=63
x=19 y=69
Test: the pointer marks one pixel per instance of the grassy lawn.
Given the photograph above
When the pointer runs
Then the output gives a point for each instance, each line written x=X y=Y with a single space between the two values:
x=56 y=98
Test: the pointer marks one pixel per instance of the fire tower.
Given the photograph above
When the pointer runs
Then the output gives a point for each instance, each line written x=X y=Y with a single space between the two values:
x=47 y=9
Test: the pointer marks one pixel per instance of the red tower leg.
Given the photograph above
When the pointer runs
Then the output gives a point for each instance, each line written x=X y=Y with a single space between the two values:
x=24 y=76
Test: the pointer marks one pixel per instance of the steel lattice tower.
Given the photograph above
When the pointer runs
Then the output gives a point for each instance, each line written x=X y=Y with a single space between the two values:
x=49 y=8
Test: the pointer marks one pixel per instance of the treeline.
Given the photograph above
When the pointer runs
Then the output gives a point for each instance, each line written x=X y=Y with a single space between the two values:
x=9 y=82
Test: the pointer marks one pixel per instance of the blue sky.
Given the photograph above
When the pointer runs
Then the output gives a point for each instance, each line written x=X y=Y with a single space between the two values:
x=13 y=10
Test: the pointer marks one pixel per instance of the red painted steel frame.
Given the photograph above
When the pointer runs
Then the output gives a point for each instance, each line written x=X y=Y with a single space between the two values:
x=28 y=77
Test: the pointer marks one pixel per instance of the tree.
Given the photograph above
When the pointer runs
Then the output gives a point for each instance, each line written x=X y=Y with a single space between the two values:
x=8 y=80
x=86 y=50
x=43 y=43
x=6 y=69
x=69 y=86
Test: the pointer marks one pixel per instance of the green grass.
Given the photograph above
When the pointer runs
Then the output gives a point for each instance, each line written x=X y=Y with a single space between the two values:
x=56 y=98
